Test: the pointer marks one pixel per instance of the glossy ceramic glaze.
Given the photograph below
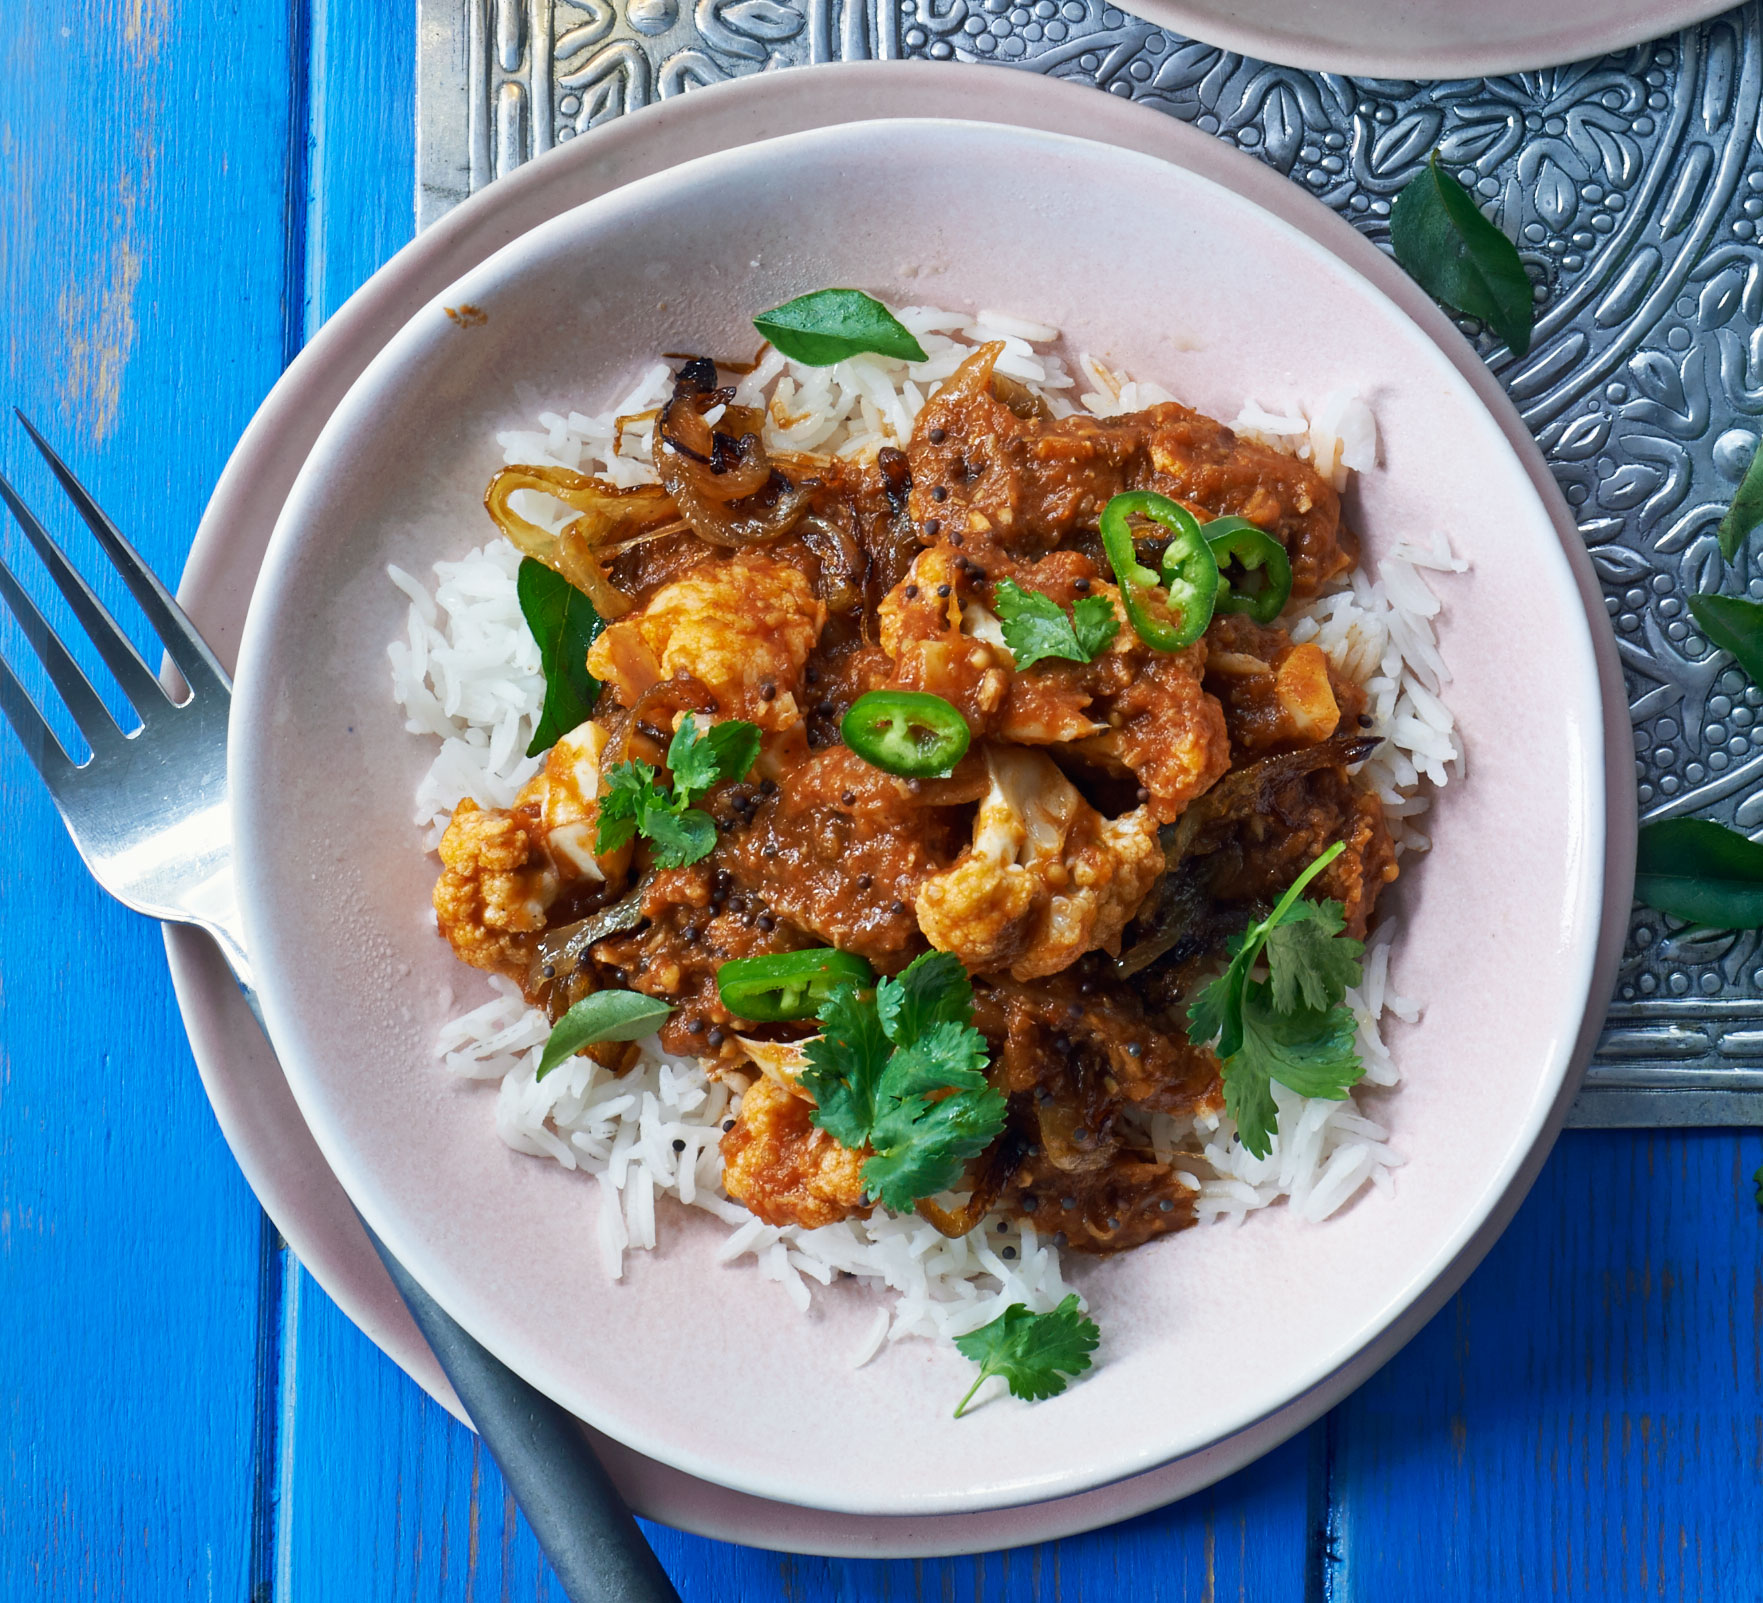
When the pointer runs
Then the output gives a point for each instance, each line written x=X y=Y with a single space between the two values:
x=1207 y=1333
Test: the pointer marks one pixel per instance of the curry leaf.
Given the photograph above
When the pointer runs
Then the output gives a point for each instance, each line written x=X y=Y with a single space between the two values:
x=1734 y=625
x=1701 y=871
x=1746 y=511
x=603 y=1016
x=1457 y=256
x=564 y=624
x=831 y=324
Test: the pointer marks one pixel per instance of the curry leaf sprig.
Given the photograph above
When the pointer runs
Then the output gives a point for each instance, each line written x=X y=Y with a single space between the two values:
x=1033 y=1352
x=902 y=1071
x=829 y=325
x=636 y=802
x=1293 y=1026
x=1036 y=626
x=1457 y=256
x=603 y=1016
x=564 y=624
x=1700 y=871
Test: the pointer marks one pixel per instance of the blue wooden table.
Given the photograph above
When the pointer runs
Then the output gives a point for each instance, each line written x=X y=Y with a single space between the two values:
x=187 y=189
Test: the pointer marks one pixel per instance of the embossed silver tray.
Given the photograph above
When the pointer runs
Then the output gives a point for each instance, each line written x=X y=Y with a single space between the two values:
x=1634 y=184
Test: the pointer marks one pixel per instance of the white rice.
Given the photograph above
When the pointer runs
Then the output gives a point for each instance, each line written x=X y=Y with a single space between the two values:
x=468 y=676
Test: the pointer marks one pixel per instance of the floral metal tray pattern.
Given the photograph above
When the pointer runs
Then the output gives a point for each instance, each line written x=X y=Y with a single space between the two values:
x=1634 y=185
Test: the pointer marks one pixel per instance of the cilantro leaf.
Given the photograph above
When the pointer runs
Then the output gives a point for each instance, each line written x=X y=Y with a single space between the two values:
x=629 y=796
x=902 y=1072
x=679 y=838
x=845 y=1064
x=933 y=987
x=921 y=1145
x=634 y=803
x=1095 y=623
x=1308 y=956
x=1309 y=1050
x=1033 y=1352
x=691 y=759
x=563 y=624
x=1292 y=1027
x=736 y=744
x=1036 y=627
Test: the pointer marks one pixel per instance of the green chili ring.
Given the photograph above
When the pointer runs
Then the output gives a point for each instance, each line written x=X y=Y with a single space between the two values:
x=788 y=985
x=1189 y=571
x=906 y=732
x=1240 y=542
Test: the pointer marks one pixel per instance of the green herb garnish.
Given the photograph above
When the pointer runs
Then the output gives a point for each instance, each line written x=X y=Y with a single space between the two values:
x=1702 y=872
x=635 y=803
x=1292 y=1027
x=1033 y=1352
x=831 y=324
x=564 y=624
x=1457 y=256
x=902 y=1071
x=604 y=1016
x=1735 y=625
x=1036 y=626
x=1746 y=511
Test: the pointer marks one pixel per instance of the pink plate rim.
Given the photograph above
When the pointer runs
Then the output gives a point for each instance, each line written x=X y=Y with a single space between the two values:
x=1398 y=43
x=277 y=1155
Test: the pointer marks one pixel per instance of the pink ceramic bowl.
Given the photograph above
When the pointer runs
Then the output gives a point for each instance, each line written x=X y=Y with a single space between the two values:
x=708 y=1368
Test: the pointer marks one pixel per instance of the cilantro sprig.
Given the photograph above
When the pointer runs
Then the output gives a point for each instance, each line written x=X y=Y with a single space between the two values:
x=1293 y=1026
x=1036 y=627
x=635 y=801
x=902 y=1071
x=1033 y=1352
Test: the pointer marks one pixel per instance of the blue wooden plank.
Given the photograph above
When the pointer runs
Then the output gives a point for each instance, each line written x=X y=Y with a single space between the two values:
x=390 y=1497
x=1585 y=1420
x=142 y=202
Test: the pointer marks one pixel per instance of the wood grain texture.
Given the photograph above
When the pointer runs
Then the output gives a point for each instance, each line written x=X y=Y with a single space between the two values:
x=1585 y=1420
x=389 y=1488
x=142 y=279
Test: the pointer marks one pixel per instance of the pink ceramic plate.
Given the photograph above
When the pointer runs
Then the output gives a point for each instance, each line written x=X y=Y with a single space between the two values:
x=251 y=1099
x=1426 y=38
x=707 y=1368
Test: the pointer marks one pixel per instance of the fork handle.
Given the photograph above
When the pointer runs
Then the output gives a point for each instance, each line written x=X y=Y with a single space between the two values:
x=584 y=1527
x=595 y=1546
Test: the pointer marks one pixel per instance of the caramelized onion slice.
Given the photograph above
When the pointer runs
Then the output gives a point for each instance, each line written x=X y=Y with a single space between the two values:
x=609 y=517
x=720 y=475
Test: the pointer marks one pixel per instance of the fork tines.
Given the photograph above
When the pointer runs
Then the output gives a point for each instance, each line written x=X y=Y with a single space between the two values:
x=185 y=647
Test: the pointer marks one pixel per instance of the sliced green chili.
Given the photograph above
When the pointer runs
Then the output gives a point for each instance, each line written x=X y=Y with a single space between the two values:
x=1173 y=617
x=906 y=732
x=1264 y=584
x=788 y=985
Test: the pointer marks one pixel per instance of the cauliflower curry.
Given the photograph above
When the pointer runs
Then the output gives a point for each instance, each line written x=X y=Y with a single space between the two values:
x=1103 y=821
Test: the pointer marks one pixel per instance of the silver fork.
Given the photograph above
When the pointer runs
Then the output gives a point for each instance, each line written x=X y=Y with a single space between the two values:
x=148 y=813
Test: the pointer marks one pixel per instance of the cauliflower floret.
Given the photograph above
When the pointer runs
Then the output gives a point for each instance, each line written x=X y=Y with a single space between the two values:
x=1275 y=695
x=1165 y=730
x=496 y=887
x=1132 y=710
x=921 y=631
x=1046 y=879
x=743 y=628
x=786 y=1169
x=560 y=797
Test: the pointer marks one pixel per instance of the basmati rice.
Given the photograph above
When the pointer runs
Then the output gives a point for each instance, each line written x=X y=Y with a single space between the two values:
x=468 y=676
